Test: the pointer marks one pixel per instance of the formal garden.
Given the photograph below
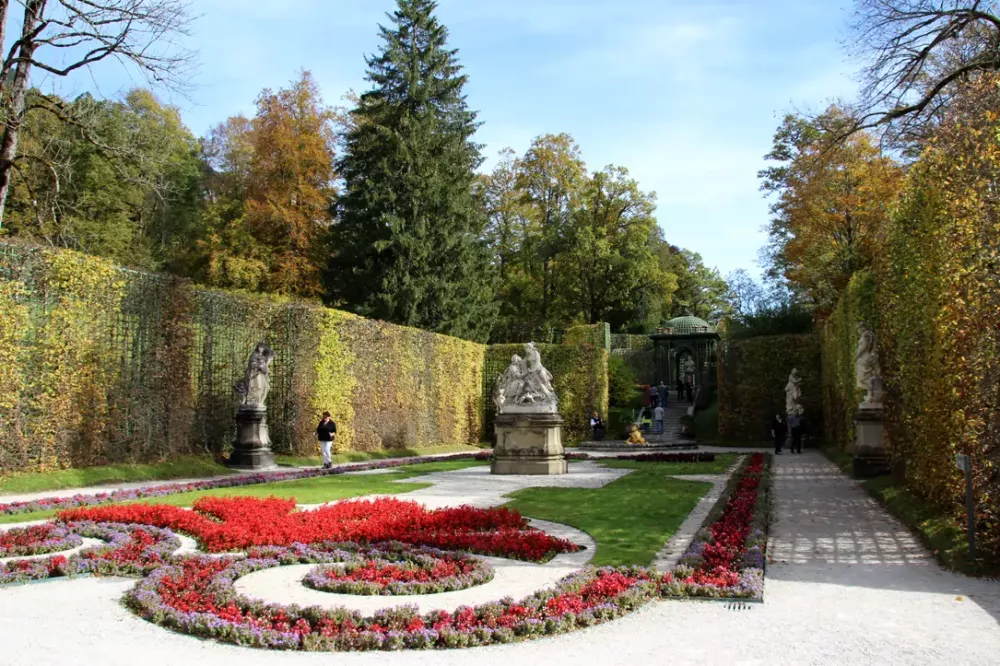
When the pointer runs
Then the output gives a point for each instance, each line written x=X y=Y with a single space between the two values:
x=311 y=379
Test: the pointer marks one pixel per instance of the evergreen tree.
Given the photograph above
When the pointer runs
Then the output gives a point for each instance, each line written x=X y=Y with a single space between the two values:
x=408 y=246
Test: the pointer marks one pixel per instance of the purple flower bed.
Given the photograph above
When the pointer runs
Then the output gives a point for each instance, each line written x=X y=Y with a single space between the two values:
x=395 y=569
x=48 y=503
x=197 y=597
x=132 y=550
x=37 y=540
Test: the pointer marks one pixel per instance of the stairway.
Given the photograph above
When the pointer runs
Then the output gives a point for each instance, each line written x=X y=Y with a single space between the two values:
x=674 y=411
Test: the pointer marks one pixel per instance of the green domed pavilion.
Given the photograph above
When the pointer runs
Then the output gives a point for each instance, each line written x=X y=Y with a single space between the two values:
x=684 y=348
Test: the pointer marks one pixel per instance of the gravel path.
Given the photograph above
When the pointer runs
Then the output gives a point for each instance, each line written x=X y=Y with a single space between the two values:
x=848 y=585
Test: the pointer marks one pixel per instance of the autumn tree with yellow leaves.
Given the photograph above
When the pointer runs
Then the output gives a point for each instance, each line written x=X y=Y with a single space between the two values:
x=832 y=201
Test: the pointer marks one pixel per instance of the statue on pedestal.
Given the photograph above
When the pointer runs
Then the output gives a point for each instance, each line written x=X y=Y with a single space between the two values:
x=252 y=390
x=793 y=394
x=252 y=449
x=528 y=425
x=870 y=458
x=866 y=368
x=525 y=384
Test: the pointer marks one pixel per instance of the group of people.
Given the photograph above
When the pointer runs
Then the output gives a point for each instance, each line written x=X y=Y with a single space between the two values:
x=780 y=429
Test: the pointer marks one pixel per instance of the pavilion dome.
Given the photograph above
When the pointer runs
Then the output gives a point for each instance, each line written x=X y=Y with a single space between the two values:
x=686 y=325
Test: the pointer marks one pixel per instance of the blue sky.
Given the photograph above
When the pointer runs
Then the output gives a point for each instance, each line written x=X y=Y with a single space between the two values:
x=686 y=95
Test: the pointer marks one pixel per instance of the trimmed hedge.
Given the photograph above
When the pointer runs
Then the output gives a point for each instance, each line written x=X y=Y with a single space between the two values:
x=102 y=365
x=934 y=304
x=752 y=378
x=841 y=395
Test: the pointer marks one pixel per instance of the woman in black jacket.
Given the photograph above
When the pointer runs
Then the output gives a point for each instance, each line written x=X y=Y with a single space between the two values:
x=326 y=431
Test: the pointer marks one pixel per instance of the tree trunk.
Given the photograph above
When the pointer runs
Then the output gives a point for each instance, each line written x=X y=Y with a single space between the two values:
x=13 y=98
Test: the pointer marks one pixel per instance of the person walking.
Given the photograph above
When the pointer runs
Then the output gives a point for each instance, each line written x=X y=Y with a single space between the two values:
x=597 y=427
x=797 y=425
x=662 y=392
x=658 y=420
x=680 y=389
x=326 y=432
x=653 y=397
x=689 y=390
x=779 y=430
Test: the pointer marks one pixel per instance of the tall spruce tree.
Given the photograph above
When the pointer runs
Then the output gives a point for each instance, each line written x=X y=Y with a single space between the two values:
x=408 y=245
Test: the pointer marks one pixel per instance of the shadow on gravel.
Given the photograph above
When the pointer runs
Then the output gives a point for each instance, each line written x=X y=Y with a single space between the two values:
x=828 y=530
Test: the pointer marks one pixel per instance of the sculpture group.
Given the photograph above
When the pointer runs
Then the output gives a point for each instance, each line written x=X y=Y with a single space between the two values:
x=527 y=384
x=528 y=425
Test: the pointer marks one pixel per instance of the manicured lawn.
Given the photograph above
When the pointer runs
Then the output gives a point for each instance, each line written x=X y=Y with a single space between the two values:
x=184 y=468
x=305 y=491
x=363 y=456
x=630 y=518
x=722 y=462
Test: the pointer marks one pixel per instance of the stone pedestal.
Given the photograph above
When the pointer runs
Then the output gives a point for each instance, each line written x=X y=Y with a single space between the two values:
x=529 y=444
x=870 y=458
x=252 y=450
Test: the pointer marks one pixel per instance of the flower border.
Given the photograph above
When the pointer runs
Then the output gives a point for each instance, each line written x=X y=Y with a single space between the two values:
x=57 y=539
x=750 y=483
x=424 y=559
x=585 y=598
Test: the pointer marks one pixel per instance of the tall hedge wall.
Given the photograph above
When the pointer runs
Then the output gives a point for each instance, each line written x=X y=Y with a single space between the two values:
x=752 y=377
x=580 y=378
x=841 y=395
x=933 y=301
x=100 y=364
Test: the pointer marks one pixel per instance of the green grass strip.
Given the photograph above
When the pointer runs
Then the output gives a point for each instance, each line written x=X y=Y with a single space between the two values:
x=630 y=518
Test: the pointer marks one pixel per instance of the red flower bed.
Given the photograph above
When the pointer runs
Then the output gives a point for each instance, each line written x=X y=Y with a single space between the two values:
x=36 y=540
x=401 y=570
x=718 y=562
x=237 y=523
x=197 y=597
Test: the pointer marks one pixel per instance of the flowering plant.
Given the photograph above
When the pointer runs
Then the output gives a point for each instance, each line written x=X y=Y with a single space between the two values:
x=234 y=523
x=196 y=596
x=37 y=540
x=726 y=558
x=400 y=570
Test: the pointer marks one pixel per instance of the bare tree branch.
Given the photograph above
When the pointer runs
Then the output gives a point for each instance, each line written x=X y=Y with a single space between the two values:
x=61 y=37
x=918 y=53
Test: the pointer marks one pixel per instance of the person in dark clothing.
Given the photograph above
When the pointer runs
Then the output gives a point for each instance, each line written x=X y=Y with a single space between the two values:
x=779 y=430
x=689 y=391
x=797 y=425
x=661 y=392
x=326 y=432
x=597 y=427
x=680 y=389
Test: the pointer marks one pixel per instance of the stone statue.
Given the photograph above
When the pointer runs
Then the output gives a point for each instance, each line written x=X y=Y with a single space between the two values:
x=689 y=366
x=793 y=394
x=253 y=388
x=525 y=383
x=866 y=366
x=510 y=382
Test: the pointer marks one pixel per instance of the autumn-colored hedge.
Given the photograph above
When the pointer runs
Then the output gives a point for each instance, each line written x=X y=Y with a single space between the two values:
x=580 y=378
x=933 y=301
x=840 y=335
x=100 y=364
x=752 y=377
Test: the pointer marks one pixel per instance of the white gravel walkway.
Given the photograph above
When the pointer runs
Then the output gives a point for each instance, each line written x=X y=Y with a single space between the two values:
x=848 y=586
